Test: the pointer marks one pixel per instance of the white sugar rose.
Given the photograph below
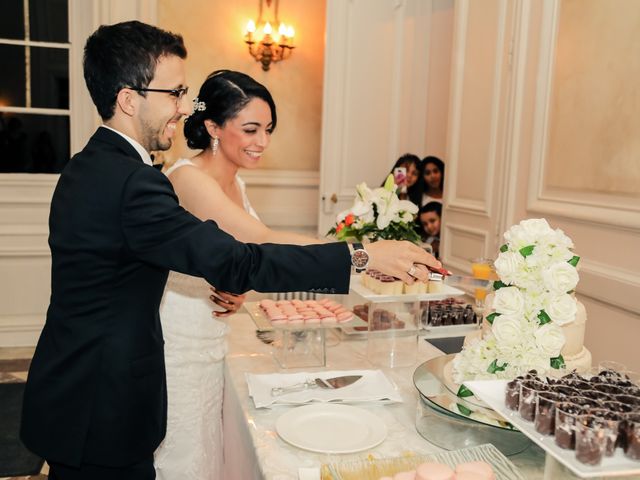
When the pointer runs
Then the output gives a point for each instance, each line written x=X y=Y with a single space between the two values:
x=560 y=277
x=507 y=330
x=561 y=308
x=528 y=232
x=508 y=265
x=509 y=301
x=550 y=339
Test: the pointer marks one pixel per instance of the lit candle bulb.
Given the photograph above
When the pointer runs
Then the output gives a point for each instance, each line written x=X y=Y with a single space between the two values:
x=290 y=33
x=250 y=30
x=267 y=29
x=282 y=30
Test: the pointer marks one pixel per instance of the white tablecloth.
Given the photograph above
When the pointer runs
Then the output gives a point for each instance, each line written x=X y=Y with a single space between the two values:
x=253 y=449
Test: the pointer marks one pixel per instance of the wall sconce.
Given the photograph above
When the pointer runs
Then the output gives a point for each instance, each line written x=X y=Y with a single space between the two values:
x=264 y=46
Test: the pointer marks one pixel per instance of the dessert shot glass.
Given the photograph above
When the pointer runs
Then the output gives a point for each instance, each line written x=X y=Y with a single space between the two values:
x=591 y=439
x=512 y=394
x=588 y=398
x=567 y=414
x=565 y=390
x=610 y=365
x=614 y=431
x=545 y=416
x=528 y=393
x=632 y=435
x=608 y=388
x=628 y=399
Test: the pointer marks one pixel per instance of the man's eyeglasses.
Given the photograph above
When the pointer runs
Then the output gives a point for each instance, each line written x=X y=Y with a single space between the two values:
x=175 y=92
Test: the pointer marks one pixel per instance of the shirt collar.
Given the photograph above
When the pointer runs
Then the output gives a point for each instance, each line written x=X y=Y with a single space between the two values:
x=146 y=157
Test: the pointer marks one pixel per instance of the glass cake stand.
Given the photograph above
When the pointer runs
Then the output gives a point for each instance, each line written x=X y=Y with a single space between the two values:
x=451 y=422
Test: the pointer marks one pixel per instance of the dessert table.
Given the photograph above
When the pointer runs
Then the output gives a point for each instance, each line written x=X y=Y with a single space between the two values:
x=253 y=449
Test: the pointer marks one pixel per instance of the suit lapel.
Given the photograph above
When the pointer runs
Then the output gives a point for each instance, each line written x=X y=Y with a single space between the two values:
x=104 y=135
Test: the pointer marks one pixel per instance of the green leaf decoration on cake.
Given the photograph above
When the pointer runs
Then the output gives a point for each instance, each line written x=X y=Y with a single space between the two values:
x=464 y=392
x=504 y=248
x=464 y=410
x=526 y=251
x=557 y=362
x=543 y=317
x=494 y=367
x=574 y=261
x=492 y=316
x=497 y=285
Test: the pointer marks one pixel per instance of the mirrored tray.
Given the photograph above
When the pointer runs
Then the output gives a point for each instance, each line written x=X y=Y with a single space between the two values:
x=450 y=422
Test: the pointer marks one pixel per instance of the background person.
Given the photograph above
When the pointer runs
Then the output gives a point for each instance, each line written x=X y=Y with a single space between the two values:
x=433 y=178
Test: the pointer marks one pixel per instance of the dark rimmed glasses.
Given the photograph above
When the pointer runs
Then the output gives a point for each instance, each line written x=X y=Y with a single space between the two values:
x=178 y=93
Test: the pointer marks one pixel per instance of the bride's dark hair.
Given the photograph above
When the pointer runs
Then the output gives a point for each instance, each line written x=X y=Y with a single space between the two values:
x=224 y=93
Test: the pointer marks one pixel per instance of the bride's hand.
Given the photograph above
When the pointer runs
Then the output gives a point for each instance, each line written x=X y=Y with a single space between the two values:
x=229 y=301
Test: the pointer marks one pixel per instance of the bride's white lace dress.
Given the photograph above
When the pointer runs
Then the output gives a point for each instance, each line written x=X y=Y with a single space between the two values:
x=195 y=347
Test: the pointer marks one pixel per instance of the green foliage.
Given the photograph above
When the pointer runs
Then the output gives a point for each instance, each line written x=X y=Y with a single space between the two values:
x=464 y=392
x=492 y=316
x=543 y=317
x=494 y=367
x=526 y=251
x=557 y=362
x=574 y=260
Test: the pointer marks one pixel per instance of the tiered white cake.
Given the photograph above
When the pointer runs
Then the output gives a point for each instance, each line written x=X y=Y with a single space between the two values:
x=533 y=320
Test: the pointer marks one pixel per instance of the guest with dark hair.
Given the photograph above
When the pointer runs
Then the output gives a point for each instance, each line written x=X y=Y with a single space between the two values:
x=429 y=218
x=433 y=179
x=413 y=183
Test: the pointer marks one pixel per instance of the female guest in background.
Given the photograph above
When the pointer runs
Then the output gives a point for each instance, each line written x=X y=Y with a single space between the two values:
x=433 y=176
x=413 y=181
x=233 y=119
x=429 y=218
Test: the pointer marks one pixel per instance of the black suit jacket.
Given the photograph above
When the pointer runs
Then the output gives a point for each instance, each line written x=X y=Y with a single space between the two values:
x=96 y=389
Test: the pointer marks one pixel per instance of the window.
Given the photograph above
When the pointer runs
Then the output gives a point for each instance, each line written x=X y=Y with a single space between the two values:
x=34 y=86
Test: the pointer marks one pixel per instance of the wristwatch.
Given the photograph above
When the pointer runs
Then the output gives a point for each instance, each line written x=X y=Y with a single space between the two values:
x=359 y=257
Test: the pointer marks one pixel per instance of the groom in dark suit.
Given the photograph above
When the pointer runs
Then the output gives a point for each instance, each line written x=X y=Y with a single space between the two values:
x=95 y=400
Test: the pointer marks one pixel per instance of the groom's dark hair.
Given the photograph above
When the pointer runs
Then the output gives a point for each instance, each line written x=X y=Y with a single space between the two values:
x=125 y=55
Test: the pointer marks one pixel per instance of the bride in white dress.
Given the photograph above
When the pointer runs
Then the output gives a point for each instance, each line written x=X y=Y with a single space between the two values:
x=232 y=123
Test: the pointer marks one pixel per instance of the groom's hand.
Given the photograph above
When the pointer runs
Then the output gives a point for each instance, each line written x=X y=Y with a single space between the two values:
x=230 y=302
x=401 y=259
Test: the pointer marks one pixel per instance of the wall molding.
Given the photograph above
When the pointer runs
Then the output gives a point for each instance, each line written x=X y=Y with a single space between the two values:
x=454 y=200
x=451 y=229
x=610 y=210
x=612 y=285
x=277 y=178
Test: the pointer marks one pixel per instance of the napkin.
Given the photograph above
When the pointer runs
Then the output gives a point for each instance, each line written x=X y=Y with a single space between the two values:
x=373 y=386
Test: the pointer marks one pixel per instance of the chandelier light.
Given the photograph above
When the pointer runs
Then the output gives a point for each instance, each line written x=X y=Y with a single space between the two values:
x=266 y=46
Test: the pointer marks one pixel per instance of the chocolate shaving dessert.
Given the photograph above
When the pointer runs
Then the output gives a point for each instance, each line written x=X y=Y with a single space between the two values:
x=590 y=440
x=565 y=424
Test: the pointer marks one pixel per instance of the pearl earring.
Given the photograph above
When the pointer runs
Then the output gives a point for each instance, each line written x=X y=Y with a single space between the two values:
x=214 y=145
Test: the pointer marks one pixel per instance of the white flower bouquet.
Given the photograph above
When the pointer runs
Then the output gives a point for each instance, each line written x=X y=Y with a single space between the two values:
x=532 y=300
x=377 y=214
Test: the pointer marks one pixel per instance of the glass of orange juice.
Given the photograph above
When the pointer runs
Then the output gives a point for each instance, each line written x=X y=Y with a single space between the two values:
x=482 y=269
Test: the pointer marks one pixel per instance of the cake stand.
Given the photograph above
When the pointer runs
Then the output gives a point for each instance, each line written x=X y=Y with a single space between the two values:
x=452 y=422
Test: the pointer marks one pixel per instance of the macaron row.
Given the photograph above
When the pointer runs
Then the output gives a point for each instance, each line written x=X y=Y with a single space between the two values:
x=438 y=471
x=298 y=312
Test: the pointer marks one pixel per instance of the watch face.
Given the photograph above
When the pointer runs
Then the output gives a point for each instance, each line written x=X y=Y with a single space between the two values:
x=360 y=258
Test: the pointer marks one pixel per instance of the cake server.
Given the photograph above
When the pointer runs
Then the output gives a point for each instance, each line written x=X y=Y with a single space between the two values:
x=325 y=383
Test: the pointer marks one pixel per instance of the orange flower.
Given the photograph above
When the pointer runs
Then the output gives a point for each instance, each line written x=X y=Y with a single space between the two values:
x=339 y=227
x=349 y=219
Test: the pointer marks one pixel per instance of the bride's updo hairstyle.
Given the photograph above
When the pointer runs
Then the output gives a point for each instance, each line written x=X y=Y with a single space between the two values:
x=222 y=96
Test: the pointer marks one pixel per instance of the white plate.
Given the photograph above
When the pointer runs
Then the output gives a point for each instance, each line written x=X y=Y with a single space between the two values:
x=492 y=392
x=364 y=292
x=329 y=428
